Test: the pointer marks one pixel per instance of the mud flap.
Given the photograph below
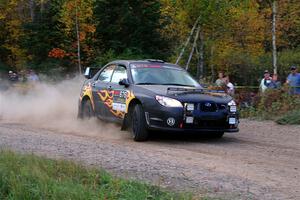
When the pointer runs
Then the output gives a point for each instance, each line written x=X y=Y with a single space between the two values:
x=125 y=123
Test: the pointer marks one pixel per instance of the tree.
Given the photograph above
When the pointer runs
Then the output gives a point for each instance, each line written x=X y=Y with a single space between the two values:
x=130 y=26
x=43 y=32
x=230 y=32
x=11 y=19
x=77 y=16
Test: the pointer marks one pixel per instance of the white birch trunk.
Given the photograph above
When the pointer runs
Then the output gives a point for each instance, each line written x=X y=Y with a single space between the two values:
x=201 y=58
x=78 y=37
x=274 y=11
x=193 y=49
x=42 y=2
x=212 y=65
x=187 y=41
x=31 y=7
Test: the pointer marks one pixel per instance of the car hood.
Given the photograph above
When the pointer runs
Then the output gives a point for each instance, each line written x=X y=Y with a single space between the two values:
x=188 y=96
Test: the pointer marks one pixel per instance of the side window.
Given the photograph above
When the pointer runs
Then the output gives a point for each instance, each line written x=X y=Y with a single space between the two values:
x=105 y=75
x=119 y=74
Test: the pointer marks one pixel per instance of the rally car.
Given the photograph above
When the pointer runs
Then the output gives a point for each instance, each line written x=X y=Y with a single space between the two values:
x=145 y=95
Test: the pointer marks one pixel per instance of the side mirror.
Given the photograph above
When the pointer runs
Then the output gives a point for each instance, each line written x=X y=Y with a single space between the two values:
x=87 y=73
x=124 y=82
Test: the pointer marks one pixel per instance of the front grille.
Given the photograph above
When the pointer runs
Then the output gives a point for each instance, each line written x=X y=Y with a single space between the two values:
x=222 y=106
x=208 y=107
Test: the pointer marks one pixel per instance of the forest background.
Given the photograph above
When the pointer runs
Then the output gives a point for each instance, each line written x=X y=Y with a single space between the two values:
x=233 y=35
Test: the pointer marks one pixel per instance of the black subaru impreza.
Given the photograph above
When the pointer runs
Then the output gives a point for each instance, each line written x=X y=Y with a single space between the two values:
x=145 y=95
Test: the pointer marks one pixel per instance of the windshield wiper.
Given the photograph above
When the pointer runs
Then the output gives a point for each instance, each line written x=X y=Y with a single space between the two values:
x=177 y=84
x=147 y=84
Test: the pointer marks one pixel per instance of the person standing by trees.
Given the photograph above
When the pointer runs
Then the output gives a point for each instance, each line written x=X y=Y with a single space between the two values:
x=265 y=82
x=275 y=84
x=32 y=77
x=229 y=86
x=13 y=77
x=220 y=81
x=293 y=80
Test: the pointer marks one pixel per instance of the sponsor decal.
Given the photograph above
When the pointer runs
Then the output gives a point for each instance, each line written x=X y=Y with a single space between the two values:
x=171 y=121
x=232 y=121
x=119 y=107
x=116 y=101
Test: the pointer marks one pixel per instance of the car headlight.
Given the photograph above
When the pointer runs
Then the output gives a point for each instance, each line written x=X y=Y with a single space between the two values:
x=232 y=106
x=168 y=102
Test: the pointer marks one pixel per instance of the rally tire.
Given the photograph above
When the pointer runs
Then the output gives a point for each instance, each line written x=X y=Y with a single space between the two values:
x=87 y=110
x=138 y=124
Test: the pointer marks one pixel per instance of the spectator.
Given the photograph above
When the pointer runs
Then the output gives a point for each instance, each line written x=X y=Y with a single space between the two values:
x=32 y=77
x=229 y=86
x=265 y=82
x=275 y=84
x=220 y=81
x=293 y=80
x=13 y=77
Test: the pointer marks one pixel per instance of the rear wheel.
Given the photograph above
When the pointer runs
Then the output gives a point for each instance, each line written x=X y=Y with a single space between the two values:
x=138 y=123
x=87 y=110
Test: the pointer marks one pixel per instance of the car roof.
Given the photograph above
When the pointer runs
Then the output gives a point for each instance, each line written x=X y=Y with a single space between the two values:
x=128 y=62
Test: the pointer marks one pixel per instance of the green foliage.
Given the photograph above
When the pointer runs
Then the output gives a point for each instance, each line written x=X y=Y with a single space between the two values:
x=134 y=26
x=111 y=55
x=275 y=105
x=32 y=177
x=43 y=33
x=292 y=117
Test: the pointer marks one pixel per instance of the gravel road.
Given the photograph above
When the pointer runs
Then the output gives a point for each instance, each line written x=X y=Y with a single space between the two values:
x=260 y=162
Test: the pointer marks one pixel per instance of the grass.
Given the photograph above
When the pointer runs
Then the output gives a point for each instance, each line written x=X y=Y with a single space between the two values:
x=32 y=177
x=292 y=117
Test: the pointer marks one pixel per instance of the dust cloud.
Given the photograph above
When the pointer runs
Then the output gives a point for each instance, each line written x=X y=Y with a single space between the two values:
x=52 y=106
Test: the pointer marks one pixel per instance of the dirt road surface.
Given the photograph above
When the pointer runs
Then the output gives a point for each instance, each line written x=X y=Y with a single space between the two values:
x=262 y=161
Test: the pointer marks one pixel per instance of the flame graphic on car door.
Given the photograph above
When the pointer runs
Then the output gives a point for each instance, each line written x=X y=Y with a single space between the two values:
x=117 y=101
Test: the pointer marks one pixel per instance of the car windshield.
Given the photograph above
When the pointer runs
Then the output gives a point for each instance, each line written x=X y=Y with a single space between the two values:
x=161 y=74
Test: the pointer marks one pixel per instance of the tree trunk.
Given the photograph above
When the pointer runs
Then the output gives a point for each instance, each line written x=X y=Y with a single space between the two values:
x=42 y=2
x=31 y=8
x=201 y=58
x=187 y=41
x=78 y=37
x=211 y=64
x=274 y=12
x=193 y=49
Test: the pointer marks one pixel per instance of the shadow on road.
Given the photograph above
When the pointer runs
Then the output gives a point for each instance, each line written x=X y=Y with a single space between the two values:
x=176 y=137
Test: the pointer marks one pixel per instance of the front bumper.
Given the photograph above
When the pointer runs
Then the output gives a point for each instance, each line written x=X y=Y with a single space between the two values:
x=157 y=119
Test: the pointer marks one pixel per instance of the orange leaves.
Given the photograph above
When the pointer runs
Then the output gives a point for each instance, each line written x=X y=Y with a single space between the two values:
x=88 y=28
x=60 y=54
x=57 y=53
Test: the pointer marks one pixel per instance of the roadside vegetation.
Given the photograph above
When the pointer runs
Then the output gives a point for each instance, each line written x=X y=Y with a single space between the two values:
x=33 y=177
x=276 y=105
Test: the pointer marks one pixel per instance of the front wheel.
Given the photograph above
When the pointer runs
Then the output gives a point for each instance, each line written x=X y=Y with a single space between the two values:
x=138 y=124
